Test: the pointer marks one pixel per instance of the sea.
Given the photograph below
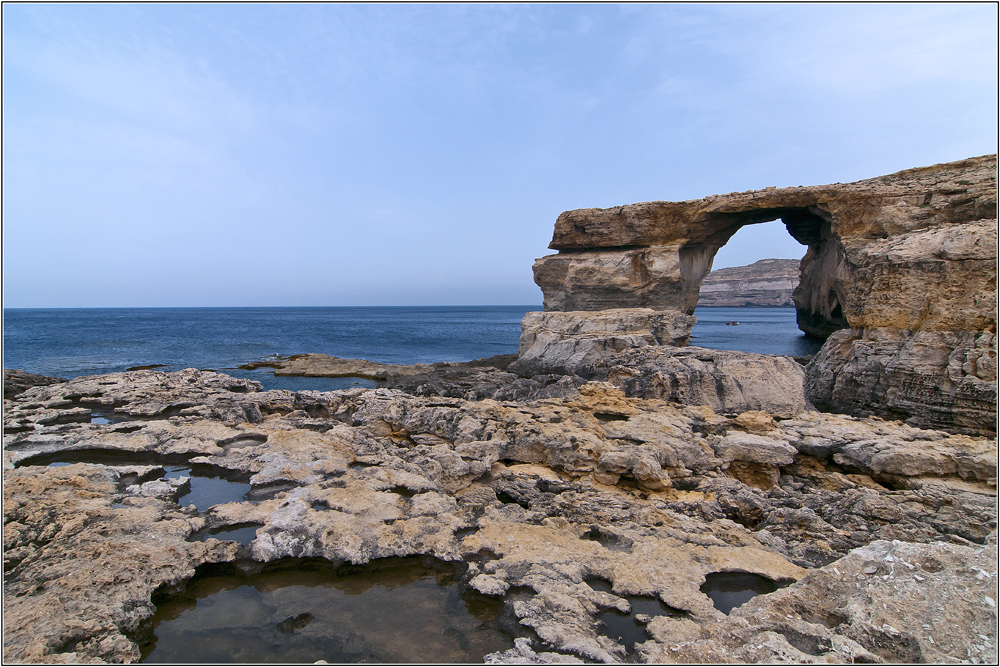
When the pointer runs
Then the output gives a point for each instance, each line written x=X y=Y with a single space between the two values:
x=70 y=342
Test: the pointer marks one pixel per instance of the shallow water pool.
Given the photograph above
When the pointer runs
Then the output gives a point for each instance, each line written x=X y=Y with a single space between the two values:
x=624 y=628
x=729 y=590
x=396 y=610
x=207 y=489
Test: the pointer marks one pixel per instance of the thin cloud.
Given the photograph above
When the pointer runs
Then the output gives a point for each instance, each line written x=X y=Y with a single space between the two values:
x=354 y=148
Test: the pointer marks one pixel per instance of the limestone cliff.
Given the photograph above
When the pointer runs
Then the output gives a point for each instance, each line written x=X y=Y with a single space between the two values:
x=904 y=264
x=766 y=282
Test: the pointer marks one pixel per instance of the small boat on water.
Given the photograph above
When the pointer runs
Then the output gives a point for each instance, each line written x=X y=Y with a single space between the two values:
x=732 y=324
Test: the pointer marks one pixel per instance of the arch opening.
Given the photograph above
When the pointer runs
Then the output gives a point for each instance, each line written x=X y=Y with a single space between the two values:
x=805 y=224
x=746 y=303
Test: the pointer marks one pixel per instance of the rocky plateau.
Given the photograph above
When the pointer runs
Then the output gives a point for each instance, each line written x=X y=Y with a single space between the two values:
x=885 y=533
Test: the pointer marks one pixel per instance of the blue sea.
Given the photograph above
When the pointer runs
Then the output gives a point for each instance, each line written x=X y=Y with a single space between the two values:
x=760 y=330
x=73 y=342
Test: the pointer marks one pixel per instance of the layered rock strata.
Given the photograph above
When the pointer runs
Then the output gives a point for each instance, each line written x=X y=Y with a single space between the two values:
x=565 y=343
x=566 y=351
x=16 y=381
x=905 y=264
x=729 y=382
x=324 y=365
x=765 y=283
x=885 y=532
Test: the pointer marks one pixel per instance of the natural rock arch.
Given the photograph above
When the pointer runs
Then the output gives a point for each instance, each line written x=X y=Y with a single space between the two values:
x=657 y=255
x=899 y=277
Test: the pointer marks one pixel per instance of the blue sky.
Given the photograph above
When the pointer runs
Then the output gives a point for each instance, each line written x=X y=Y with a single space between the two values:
x=239 y=155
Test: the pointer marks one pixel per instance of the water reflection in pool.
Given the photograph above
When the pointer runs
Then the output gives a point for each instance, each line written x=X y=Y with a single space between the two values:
x=206 y=488
x=624 y=628
x=729 y=590
x=269 y=380
x=401 y=610
x=243 y=533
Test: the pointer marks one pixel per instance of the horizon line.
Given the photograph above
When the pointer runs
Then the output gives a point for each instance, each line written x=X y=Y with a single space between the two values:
x=470 y=305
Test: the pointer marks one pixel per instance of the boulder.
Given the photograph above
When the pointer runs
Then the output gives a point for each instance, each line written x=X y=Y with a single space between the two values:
x=928 y=612
x=16 y=381
x=730 y=382
x=571 y=342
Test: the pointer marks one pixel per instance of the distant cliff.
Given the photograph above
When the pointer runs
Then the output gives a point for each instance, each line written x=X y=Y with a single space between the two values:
x=767 y=282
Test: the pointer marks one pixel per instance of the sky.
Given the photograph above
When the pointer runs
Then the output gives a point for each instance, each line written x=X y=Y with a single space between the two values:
x=338 y=154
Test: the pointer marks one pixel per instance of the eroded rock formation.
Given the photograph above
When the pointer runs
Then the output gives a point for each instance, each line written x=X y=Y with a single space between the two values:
x=568 y=343
x=15 y=381
x=887 y=531
x=903 y=267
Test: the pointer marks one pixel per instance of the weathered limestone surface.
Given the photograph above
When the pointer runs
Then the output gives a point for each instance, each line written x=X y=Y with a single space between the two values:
x=879 y=592
x=568 y=342
x=730 y=382
x=767 y=282
x=93 y=568
x=15 y=381
x=135 y=394
x=906 y=262
x=323 y=365
x=939 y=379
x=888 y=530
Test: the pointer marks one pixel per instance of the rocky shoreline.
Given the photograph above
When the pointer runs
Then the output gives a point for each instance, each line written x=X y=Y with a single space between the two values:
x=887 y=530
x=605 y=465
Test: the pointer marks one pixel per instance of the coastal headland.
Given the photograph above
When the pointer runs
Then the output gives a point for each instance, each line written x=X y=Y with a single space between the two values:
x=607 y=463
x=765 y=283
